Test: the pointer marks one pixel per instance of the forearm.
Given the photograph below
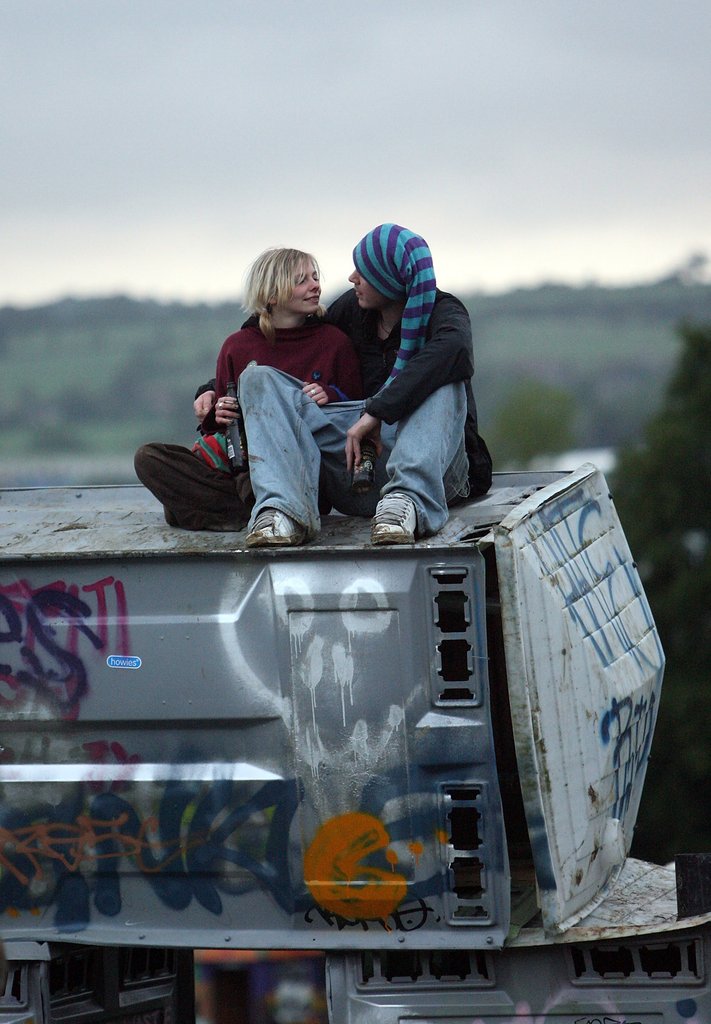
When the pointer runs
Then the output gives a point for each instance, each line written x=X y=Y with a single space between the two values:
x=426 y=372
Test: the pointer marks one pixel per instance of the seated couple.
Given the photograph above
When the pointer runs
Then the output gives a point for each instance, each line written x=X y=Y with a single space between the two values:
x=390 y=362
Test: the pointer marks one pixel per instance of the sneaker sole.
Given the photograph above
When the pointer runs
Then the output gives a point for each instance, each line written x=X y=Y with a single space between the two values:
x=392 y=538
x=274 y=542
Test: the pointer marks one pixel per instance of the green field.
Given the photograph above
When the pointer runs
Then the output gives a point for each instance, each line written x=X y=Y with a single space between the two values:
x=104 y=375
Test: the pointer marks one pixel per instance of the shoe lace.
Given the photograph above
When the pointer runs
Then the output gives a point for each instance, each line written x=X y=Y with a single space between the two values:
x=393 y=510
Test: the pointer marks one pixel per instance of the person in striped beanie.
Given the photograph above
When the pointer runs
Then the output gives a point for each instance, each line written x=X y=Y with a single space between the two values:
x=398 y=264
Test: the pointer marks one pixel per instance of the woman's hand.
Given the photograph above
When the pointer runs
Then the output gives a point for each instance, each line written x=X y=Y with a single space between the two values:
x=367 y=426
x=225 y=411
x=316 y=392
x=203 y=404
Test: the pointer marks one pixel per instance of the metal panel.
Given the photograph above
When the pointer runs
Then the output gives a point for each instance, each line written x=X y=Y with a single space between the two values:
x=651 y=980
x=248 y=750
x=585 y=667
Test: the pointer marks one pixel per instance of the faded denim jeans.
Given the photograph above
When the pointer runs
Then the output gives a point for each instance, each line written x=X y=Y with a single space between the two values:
x=297 y=446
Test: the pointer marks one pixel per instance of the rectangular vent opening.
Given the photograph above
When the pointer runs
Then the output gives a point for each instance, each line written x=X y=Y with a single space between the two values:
x=475 y=912
x=402 y=965
x=693 y=967
x=661 y=961
x=458 y=965
x=456 y=693
x=449 y=576
x=446 y=966
x=612 y=963
x=652 y=963
x=454 y=660
x=452 y=611
x=467 y=878
x=464 y=831
x=465 y=792
x=367 y=966
x=13 y=986
x=143 y=963
x=70 y=976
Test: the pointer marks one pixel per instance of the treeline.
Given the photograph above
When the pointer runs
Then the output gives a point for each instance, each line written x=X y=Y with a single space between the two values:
x=661 y=491
x=557 y=366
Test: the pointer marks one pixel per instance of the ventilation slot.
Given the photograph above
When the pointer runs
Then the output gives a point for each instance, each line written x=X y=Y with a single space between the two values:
x=452 y=608
x=467 y=878
x=637 y=964
x=467 y=871
x=146 y=964
x=454 y=663
x=407 y=969
x=15 y=989
x=72 y=976
x=454 y=636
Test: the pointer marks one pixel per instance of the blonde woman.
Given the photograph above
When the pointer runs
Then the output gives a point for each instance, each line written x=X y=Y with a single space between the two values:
x=285 y=331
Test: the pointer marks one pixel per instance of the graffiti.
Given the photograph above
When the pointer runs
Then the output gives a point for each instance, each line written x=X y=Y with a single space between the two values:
x=410 y=917
x=629 y=725
x=559 y=1005
x=205 y=842
x=558 y=1008
x=351 y=893
x=46 y=635
x=87 y=839
x=605 y=1020
x=595 y=593
x=337 y=875
x=185 y=851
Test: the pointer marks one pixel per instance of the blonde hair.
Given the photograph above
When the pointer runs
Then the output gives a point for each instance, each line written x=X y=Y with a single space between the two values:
x=270 y=282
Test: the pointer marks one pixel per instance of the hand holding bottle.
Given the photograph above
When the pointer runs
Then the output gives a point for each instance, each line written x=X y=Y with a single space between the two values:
x=226 y=411
x=235 y=435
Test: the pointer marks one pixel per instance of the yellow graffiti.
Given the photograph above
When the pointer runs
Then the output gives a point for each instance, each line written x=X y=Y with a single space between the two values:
x=337 y=877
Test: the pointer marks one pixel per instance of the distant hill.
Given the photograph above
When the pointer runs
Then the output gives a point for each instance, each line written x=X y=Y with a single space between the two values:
x=101 y=376
x=612 y=348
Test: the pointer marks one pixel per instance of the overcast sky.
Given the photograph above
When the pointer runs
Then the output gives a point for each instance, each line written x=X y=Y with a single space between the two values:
x=155 y=147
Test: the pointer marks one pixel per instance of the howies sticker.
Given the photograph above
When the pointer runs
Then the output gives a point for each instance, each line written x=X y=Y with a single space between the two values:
x=123 y=661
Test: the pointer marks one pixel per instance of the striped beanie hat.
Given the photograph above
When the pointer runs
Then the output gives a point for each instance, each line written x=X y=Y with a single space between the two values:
x=398 y=264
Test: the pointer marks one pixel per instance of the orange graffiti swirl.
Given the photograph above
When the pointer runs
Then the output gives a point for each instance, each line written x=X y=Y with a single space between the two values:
x=338 y=879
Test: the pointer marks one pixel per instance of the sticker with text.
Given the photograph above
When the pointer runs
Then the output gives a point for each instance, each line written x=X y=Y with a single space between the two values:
x=123 y=661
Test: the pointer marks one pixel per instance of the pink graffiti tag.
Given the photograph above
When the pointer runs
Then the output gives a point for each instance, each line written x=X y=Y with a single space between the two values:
x=47 y=635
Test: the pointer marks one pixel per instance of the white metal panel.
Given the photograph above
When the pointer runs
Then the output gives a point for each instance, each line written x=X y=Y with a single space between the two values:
x=584 y=667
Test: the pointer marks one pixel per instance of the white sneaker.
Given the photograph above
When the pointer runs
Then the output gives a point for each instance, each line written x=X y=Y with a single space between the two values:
x=273 y=528
x=395 y=520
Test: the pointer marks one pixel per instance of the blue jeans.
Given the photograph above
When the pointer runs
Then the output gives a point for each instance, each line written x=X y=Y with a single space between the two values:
x=296 y=446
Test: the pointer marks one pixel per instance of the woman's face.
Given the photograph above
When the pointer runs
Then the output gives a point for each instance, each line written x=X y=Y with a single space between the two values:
x=368 y=297
x=307 y=292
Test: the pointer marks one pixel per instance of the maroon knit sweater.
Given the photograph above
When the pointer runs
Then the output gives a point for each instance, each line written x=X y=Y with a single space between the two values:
x=316 y=351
